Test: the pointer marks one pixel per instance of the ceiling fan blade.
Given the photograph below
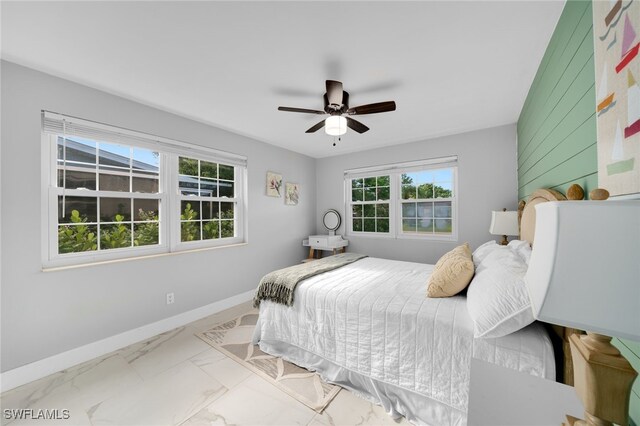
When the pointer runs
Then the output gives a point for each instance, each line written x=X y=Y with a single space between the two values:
x=303 y=110
x=334 y=92
x=315 y=128
x=373 y=108
x=356 y=125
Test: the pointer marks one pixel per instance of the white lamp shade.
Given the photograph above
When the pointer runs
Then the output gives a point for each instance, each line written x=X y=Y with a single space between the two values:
x=504 y=223
x=584 y=270
x=335 y=125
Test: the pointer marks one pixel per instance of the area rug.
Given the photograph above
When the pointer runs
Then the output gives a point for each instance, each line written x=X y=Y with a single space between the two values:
x=233 y=338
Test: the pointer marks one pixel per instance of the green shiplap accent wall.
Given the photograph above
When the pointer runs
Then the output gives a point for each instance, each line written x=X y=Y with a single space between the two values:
x=557 y=128
x=557 y=125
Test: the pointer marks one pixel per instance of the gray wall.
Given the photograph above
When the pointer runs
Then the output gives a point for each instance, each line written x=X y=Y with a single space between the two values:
x=45 y=313
x=487 y=180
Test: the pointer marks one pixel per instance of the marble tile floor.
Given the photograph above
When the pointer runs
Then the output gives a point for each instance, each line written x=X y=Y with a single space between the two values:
x=177 y=379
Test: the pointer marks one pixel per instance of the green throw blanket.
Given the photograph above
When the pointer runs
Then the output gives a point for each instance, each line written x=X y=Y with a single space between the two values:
x=278 y=286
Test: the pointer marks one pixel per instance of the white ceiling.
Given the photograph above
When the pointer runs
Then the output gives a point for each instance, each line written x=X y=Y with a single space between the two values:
x=451 y=66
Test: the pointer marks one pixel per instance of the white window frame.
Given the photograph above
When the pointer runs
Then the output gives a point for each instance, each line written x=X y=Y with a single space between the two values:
x=55 y=259
x=393 y=192
x=238 y=217
x=169 y=195
x=395 y=171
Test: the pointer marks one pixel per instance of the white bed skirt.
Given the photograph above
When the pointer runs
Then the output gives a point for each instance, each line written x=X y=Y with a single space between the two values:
x=417 y=409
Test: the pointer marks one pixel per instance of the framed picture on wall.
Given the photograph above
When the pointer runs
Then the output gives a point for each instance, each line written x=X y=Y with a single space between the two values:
x=616 y=30
x=291 y=193
x=274 y=184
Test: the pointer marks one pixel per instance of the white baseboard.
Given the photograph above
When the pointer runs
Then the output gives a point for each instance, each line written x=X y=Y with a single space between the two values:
x=36 y=370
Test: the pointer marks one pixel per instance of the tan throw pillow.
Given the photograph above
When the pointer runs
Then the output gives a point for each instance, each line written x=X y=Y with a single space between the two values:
x=452 y=273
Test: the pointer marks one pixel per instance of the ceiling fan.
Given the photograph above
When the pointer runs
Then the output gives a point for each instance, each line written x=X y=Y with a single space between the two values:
x=336 y=104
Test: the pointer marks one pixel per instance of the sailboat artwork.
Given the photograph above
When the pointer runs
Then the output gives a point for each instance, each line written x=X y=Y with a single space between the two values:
x=613 y=17
x=619 y=164
x=607 y=101
x=617 y=66
x=614 y=41
x=629 y=52
x=633 y=106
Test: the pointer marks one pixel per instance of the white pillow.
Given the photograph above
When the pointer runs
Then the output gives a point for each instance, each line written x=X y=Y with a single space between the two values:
x=497 y=298
x=481 y=252
x=522 y=248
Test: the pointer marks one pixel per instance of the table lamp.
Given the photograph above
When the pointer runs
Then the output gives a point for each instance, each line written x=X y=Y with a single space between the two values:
x=585 y=273
x=504 y=223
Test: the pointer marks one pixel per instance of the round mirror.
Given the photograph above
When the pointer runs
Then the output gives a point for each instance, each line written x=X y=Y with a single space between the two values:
x=331 y=220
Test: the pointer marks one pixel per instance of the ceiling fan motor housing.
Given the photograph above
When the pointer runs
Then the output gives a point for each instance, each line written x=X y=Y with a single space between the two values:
x=333 y=108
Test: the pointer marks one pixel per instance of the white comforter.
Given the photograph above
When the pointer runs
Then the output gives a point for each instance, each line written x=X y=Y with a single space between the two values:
x=372 y=318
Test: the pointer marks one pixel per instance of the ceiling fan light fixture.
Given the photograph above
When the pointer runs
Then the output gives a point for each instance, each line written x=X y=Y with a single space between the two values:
x=336 y=125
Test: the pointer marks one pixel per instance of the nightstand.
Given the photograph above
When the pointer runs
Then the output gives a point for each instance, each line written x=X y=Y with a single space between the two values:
x=501 y=396
x=317 y=243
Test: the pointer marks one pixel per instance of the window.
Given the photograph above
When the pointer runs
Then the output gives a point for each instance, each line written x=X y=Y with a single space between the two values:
x=370 y=204
x=207 y=200
x=426 y=199
x=108 y=196
x=113 y=193
x=410 y=200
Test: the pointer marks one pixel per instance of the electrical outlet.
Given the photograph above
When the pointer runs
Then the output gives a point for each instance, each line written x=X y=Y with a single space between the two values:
x=170 y=298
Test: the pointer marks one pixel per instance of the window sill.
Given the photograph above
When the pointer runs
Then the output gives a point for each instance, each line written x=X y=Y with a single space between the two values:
x=447 y=238
x=428 y=237
x=142 y=257
x=369 y=235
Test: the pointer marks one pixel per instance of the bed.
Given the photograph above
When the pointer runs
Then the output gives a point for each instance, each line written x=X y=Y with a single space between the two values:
x=367 y=326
